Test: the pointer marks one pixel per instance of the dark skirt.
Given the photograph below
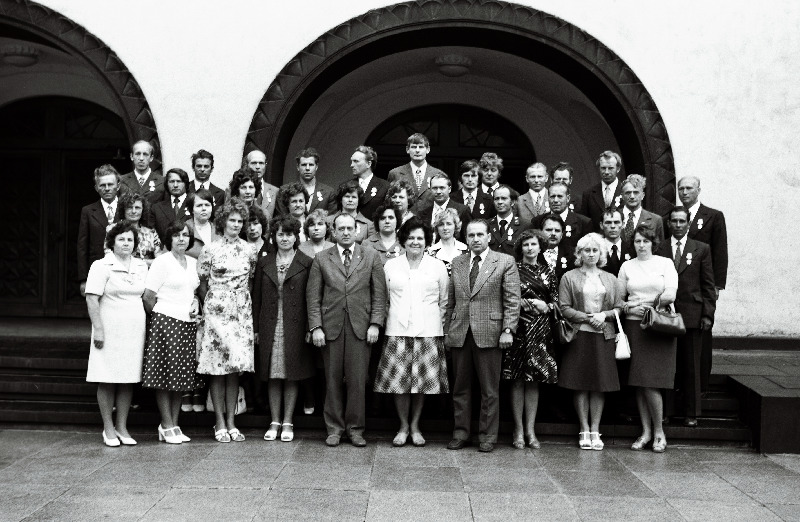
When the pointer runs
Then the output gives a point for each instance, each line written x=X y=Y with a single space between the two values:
x=652 y=357
x=588 y=364
x=412 y=365
x=170 y=357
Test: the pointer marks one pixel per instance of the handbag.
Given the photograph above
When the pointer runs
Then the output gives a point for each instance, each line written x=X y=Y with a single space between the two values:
x=664 y=320
x=623 y=348
x=565 y=331
x=241 y=404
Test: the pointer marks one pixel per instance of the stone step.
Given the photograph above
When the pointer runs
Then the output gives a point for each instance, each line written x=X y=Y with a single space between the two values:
x=12 y=383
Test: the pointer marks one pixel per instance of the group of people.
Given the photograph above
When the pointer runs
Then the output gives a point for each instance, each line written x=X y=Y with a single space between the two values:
x=189 y=285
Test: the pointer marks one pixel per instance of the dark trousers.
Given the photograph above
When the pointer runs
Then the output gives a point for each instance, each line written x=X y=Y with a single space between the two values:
x=487 y=364
x=346 y=361
x=688 y=371
x=705 y=359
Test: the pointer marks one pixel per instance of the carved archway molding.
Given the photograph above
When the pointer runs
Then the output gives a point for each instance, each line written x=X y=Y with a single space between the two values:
x=95 y=54
x=298 y=83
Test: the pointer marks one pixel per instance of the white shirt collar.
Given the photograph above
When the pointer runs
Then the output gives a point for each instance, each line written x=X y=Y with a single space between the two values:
x=341 y=250
x=545 y=194
x=199 y=184
x=493 y=187
x=618 y=242
x=674 y=242
x=364 y=182
x=437 y=206
x=693 y=210
x=636 y=215
x=143 y=176
x=473 y=255
x=423 y=167
x=508 y=220
x=181 y=199
x=612 y=185
x=564 y=214
x=113 y=204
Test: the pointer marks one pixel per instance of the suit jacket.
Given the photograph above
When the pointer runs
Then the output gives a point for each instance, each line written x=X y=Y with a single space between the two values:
x=162 y=214
x=153 y=186
x=696 y=295
x=91 y=237
x=324 y=197
x=425 y=196
x=483 y=208
x=373 y=197
x=565 y=260
x=426 y=215
x=217 y=193
x=575 y=227
x=652 y=220
x=505 y=242
x=708 y=227
x=199 y=244
x=626 y=253
x=526 y=207
x=593 y=204
x=335 y=293
x=268 y=199
x=489 y=308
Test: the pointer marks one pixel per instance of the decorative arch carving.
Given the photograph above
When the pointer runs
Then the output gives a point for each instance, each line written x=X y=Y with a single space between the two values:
x=107 y=66
x=302 y=79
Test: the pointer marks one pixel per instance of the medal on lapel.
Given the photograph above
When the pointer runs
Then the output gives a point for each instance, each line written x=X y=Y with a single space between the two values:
x=563 y=262
x=481 y=209
x=319 y=196
x=627 y=256
x=617 y=201
x=374 y=192
x=152 y=185
x=569 y=230
x=699 y=223
x=688 y=259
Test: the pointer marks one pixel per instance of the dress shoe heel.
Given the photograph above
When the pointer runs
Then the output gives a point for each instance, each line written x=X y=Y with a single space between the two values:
x=126 y=441
x=111 y=443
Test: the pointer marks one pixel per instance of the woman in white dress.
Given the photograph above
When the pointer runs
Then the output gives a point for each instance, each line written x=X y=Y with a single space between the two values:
x=114 y=290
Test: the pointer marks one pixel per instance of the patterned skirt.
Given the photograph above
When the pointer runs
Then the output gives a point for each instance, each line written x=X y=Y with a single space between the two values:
x=170 y=354
x=412 y=365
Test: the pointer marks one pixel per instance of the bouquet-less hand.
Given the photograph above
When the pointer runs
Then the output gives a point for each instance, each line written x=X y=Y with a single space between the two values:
x=597 y=320
x=541 y=306
x=318 y=337
x=506 y=340
x=372 y=334
x=706 y=323
x=99 y=338
x=633 y=308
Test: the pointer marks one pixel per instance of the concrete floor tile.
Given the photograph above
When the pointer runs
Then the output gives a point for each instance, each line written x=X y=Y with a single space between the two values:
x=408 y=478
x=313 y=504
x=535 y=481
x=17 y=444
x=788 y=512
x=724 y=455
x=698 y=486
x=418 y=506
x=408 y=455
x=207 y=504
x=255 y=447
x=576 y=459
x=627 y=509
x=768 y=489
x=502 y=457
x=753 y=469
x=91 y=503
x=52 y=471
x=673 y=460
x=139 y=473
x=315 y=451
x=160 y=451
x=713 y=511
x=791 y=462
x=235 y=473
x=521 y=506
x=600 y=484
x=82 y=445
x=301 y=475
x=20 y=500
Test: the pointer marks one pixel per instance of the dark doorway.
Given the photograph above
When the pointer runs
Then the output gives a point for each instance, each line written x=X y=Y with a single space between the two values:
x=457 y=133
x=49 y=148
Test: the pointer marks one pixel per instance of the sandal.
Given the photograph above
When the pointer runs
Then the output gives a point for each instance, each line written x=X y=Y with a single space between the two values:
x=400 y=439
x=417 y=439
x=272 y=433
x=533 y=442
x=287 y=432
x=640 y=443
x=597 y=444
x=221 y=435
x=584 y=440
x=659 y=445
x=518 y=442
x=236 y=435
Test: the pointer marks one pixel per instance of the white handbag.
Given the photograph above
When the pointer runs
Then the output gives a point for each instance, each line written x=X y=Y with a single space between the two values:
x=623 y=348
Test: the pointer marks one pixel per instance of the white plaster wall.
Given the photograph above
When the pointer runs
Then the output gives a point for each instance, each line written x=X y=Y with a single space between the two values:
x=723 y=75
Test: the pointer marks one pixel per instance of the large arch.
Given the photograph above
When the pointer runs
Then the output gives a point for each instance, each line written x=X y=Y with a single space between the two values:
x=24 y=16
x=519 y=30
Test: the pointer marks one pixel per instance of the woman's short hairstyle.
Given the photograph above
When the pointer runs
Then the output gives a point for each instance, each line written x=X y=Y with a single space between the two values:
x=127 y=200
x=290 y=191
x=203 y=195
x=448 y=213
x=347 y=187
x=592 y=239
x=647 y=232
x=489 y=160
x=180 y=173
x=414 y=223
x=376 y=217
x=173 y=230
x=120 y=227
x=530 y=233
x=398 y=185
x=256 y=216
x=319 y=215
x=242 y=176
x=232 y=206
x=287 y=224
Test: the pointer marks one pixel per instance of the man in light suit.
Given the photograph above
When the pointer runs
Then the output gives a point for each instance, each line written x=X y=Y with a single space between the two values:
x=256 y=161
x=346 y=301
x=417 y=173
x=476 y=200
x=362 y=162
x=575 y=225
x=165 y=212
x=708 y=226
x=505 y=227
x=535 y=201
x=562 y=173
x=95 y=219
x=633 y=214
x=440 y=186
x=203 y=166
x=695 y=301
x=142 y=179
x=320 y=195
x=608 y=193
x=481 y=318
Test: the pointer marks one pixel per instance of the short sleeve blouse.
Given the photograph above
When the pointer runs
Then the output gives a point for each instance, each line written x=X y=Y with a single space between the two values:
x=174 y=286
x=644 y=280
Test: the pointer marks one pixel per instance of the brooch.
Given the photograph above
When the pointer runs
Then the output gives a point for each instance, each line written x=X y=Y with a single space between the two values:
x=152 y=185
x=374 y=192
x=627 y=257
x=689 y=258
x=263 y=254
x=516 y=221
x=699 y=223
x=186 y=211
x=268 y=197
x=481 y=209
x=319 y=196
x=571 y=207
x=569 y=230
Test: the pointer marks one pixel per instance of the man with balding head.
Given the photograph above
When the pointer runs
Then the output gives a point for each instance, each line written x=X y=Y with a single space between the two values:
x=143 y=179
x=608 y=193
x=535 y=201
x=256 y=161
x=575 y=225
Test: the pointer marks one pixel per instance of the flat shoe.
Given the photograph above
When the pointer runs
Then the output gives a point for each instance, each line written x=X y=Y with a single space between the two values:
x=518 y=442
x=640 y=443
x=236 y=435
x=457 y=444
x=357 y=440
x=584 y=440
x=272 y=433
x=400 y=439
x=417 y=439
x=659 y=445
x=597 y=444
x=287 y=432
x=221 y=435
x=533 y=442
x=333 y=440
x=485 y=447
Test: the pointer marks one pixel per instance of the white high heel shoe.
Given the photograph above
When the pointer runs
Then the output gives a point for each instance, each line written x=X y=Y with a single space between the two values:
x=126 y=441
x=183 y=437
x=168 y=435
x=112 y=443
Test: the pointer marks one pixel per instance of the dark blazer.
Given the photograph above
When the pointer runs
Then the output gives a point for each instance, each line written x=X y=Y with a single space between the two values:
x=565 y=260
x=298 y=357
x=696 y=295
x=505 y=242
x=426 y=214
x=324 y=197
x=483 y=208
x=217 y=193
x=425 y=196
x=334 y=292
x=626 y=253
x=91 y=237
x=575 y=227
x=162 y=214
x=654 y=221
x=153 y=187
x=373 y=197
x=708 y=227
x=593 y=204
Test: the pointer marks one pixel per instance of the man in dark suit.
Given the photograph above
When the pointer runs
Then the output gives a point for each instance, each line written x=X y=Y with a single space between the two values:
x=619 y=251
x=346 y=300
x=417 y=173
x=562 y=173
x=606 y=194
x=559 y=256
x=142 y=179
x=575 y=225
x=362 y=162
x=95 y=219
x=320 y=195
x=476 y=200
x=440 y=186
x=165 y=212
x=633 y=214
x=505 y=227
x=203 y=166
x=256 y=162
x=695 y=301
x=480 y=321
x=535 y=201
x=708 y=226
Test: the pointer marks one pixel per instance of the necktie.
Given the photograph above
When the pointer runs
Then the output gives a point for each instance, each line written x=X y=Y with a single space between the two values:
x=490 y=191
x=109 y=214
x=176 y=206
x=470 y=201
x=473 y=273
x=141 y=181
x=678 y=254
x=537 y=209
x=614 y=254
x=607 y=196
x=628 y=232
x=346 y=253
x=503 y=224
x=436 y=211
x=418 y=178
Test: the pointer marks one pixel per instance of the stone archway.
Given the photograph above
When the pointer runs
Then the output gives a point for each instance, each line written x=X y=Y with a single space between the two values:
x=520 y=30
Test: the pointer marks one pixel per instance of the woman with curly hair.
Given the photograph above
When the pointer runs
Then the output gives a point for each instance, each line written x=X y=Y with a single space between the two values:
x=347 y=198
x=401 y=196
x=132 y=206
x=295 y=199
x=246 y=186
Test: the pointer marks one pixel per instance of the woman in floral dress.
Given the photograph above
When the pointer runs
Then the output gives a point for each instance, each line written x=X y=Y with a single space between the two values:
x=226 y=269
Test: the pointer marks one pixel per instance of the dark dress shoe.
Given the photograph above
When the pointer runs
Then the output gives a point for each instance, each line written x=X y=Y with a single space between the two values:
x=357 y=440
x=690 y=422
x=457 y=444
x=332 y=440
x=486 y=447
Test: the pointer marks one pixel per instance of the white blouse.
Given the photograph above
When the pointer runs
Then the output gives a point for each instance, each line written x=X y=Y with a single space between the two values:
x=417 y=298
x=644 y=280
x=174 y=286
